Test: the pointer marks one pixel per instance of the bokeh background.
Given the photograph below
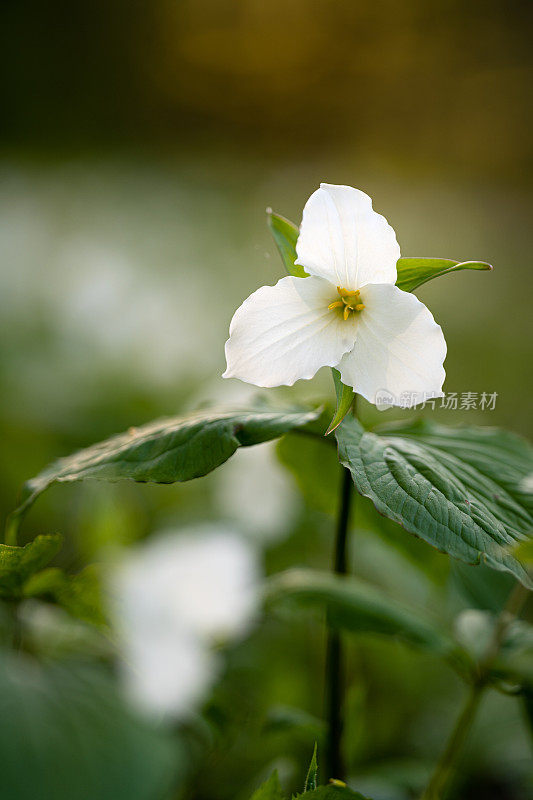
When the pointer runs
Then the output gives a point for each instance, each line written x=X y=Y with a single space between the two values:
x=141 y=143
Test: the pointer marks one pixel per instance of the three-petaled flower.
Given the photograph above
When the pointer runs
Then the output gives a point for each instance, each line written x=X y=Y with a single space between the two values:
x=347 y=314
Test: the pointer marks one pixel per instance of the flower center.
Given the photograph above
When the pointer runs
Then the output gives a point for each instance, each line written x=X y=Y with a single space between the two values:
x=350 y=302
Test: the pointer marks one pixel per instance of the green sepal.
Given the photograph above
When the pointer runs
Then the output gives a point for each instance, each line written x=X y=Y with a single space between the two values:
x=345 y=398
x=285 y=235
x=413 y=272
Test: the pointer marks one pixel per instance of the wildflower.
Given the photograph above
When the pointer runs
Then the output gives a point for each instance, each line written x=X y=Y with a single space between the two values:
x=170 y=602
x=347 y=314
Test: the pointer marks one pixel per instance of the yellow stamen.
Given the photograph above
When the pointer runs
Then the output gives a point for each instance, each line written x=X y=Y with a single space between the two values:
x=350 y=301
x=347 y=292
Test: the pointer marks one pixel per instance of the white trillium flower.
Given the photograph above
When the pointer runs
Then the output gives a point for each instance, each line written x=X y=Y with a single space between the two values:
x=171 y=600
x=347 y=314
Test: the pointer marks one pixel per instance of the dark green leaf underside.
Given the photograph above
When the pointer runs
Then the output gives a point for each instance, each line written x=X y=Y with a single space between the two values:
x=466 y=491
x=169 y=450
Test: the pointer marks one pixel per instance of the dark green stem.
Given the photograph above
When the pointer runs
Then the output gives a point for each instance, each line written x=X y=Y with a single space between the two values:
x=335 y=685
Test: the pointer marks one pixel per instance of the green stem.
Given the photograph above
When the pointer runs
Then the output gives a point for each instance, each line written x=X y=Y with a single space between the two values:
x=446 y=765
x=335 y=688
x=445 y=769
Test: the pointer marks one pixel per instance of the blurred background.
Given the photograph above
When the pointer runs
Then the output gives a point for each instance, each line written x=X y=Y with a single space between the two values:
x=141 y=143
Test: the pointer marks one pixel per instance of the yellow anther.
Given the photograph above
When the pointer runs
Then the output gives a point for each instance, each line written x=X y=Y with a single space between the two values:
x=350 y=301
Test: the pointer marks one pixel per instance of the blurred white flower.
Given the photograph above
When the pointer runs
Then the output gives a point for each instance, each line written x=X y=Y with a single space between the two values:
x=171 y=600
x=348 y=314
x=256 y=492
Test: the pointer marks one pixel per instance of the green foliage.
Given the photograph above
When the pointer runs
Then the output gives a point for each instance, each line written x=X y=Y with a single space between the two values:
x=413 y=272
x=481 y=587
x=285 y=235
x=270 y=790
x=345 y=397
x=311 y=779
x=18 y=564
x=79 y=594
x=71 y=738
x=356 y=606
x=315 y=467
x=334 y=792
x=462 y=490
x=168 y=450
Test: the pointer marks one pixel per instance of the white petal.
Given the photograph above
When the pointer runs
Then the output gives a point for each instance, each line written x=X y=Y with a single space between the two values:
x=286 y=332
x=343 y=240
x=203 y=581
x=399 y=349
x=167 y=675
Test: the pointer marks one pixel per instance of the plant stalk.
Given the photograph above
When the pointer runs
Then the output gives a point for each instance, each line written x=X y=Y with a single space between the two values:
x=444 y=771
x=446 y=765
x=335 y=681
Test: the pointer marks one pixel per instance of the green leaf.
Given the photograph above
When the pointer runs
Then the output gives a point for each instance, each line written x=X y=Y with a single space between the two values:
x=356 y=606
x=79 y=594
x=168 y=450
x=285 y=235
x=345 y=398
x=463 y=490
x=311 y=780
x=18 y=564
x=413 y=272
x=270 y=790
x=70 y=737
x=333 y=792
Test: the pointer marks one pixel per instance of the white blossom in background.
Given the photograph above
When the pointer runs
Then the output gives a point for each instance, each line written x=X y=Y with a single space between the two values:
x=257 y=493
x=171 y=600
x=347 y=314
